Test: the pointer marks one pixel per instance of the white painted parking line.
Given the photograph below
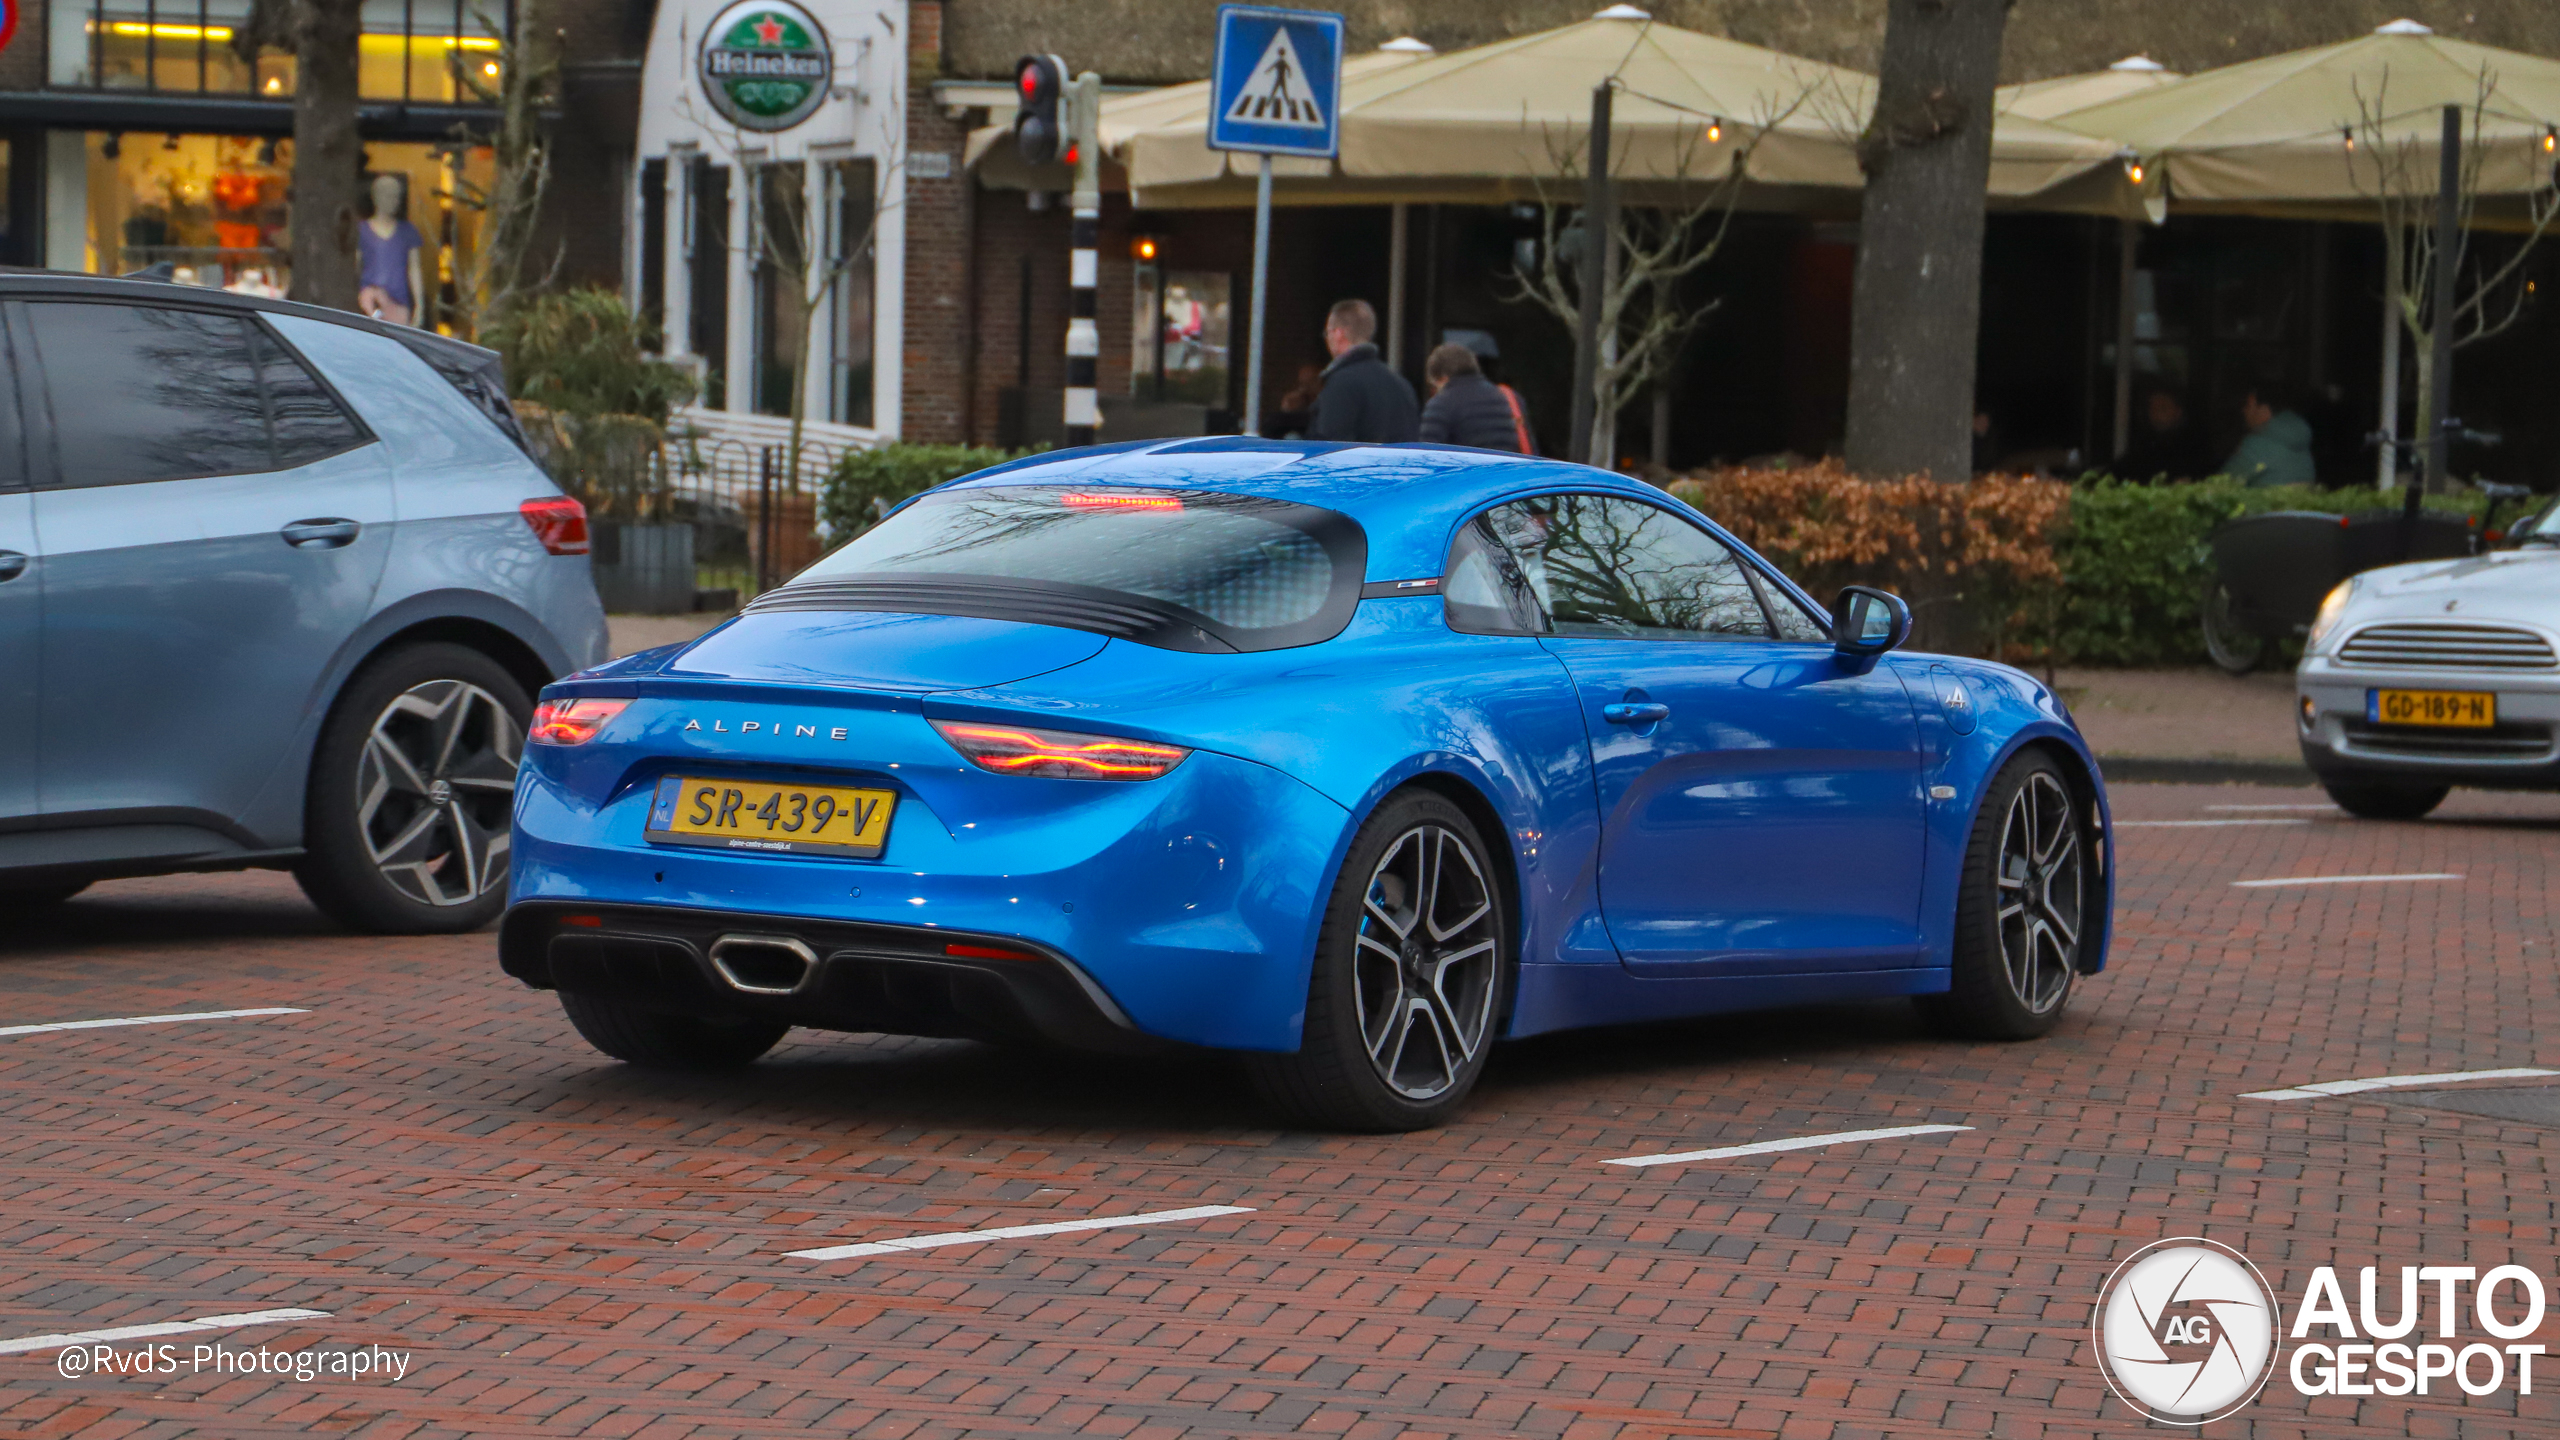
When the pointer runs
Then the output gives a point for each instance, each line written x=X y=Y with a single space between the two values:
x=145 y=1020
x=150 y=1332
x=1771 y=1147
x=2269 y=807
x=2339 y=880
x=2391 y=1082
x=2197 y=824
x=1015 y=1232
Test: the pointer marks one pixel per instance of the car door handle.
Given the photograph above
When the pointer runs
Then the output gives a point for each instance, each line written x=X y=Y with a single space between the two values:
x=320 y=534
x=1630 y=712
x=12 y=564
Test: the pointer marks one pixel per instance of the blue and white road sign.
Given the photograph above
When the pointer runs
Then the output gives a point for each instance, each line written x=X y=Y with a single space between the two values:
x=1277 y=86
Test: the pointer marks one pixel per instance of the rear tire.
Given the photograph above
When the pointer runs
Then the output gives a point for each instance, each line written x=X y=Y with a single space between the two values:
x=405 y=826
x=659 y=1040
x=2022 y=907
x=2233 y=649
x=2386 y=799
x=1412 y=973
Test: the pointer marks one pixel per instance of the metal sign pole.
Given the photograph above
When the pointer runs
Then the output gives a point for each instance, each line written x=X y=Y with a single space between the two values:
x=1261 y=284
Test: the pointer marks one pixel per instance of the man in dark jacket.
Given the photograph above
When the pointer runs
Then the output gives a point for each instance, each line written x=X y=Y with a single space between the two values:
x=1362 y=399
x=1468 y=409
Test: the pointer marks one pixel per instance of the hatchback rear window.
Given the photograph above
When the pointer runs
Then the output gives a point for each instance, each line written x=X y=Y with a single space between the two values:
x=1184 y=569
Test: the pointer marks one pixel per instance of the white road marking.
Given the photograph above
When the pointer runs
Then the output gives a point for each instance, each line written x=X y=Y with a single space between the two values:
x=2338 y=880
x=2196 y=824
x=147 y=1332
x=1771 y=1147
x=1015 y=1232
x=2390 y=1082
x=145 y=1020
x=2271 y=807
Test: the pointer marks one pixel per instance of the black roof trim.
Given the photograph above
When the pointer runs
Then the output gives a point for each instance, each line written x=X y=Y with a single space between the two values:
x=144 y=110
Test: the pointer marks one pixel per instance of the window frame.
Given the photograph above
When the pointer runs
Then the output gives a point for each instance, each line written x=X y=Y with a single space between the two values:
x=35 y=396
x=1758 y=575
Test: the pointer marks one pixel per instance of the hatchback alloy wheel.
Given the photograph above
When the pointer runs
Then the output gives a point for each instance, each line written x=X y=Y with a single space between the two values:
x=1427 y=962
x=2040 y=893
x=433 y=791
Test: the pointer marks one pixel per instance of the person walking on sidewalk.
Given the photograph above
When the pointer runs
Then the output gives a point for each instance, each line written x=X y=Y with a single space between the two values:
x=1362 y=398
x=1468 y=409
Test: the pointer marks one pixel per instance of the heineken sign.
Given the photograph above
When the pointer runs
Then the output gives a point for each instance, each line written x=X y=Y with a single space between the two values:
x=765 y=64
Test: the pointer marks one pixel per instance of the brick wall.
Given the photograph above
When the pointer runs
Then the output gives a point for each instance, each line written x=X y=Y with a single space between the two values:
x=934 y=403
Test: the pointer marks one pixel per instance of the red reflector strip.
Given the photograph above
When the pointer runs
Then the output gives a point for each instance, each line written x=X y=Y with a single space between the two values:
x=590 y=922
x=1077 y=500
x=987 y=952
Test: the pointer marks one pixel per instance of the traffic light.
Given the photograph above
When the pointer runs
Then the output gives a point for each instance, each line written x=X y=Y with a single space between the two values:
x=1039 y=126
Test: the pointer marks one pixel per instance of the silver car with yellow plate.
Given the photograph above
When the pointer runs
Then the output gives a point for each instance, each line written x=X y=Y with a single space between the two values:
x=2417 y=678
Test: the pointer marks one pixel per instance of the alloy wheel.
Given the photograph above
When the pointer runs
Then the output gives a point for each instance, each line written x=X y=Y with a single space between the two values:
x=434 y=788
x=2040 y=892
x=1427 y=959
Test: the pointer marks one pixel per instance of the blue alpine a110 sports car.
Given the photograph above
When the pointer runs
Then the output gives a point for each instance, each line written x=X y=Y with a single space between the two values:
x=1353 y=759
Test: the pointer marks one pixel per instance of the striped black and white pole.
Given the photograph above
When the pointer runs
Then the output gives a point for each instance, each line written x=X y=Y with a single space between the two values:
x=1084 y=342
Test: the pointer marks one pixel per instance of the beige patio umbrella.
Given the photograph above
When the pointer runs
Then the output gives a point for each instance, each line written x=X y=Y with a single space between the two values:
x=2062 y=94
x=2276 y=130
x=1495 y=122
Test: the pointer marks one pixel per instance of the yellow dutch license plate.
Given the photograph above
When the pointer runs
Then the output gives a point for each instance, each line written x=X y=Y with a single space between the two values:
x=2467 y=709
x=773 y=818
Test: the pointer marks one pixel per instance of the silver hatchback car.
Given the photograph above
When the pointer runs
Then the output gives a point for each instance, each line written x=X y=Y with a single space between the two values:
x=277 y=585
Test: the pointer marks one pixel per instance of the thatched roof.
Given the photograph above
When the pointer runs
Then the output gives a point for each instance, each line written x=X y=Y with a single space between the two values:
x=1161 y=41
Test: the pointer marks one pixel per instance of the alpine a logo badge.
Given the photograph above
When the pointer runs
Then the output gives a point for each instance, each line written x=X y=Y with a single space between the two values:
x=2186 y=1331
x=765 y=64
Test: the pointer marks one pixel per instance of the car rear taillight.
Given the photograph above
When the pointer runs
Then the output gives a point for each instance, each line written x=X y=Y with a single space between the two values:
x=571 y=722
x=1058 y=754
x=559 y=522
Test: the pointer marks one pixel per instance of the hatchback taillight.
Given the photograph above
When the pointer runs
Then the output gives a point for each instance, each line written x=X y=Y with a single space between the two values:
x=571 y=722
x=1058 y=754
x=559 y=522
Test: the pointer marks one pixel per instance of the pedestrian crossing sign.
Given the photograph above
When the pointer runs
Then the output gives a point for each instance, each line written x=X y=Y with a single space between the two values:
x=1278 y=81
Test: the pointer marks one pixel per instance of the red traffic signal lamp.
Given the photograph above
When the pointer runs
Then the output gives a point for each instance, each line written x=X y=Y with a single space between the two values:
x=1039 y=126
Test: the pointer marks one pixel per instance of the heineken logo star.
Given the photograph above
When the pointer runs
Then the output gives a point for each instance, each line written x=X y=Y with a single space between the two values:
x=769 y=30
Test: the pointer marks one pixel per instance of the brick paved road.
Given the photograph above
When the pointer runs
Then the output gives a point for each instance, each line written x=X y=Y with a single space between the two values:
x=569 y=1248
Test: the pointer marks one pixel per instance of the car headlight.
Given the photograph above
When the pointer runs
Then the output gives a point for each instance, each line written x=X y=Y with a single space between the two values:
x=2326 y=622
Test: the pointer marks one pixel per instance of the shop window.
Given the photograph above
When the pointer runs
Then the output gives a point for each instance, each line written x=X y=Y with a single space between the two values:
x=431 y=51
x=780 y=255
x=217 y=209
x=139 y=393
x=1191 y=344
x=853 y=243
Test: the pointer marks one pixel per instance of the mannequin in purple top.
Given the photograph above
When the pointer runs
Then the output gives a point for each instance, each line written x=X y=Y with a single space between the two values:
x=388 y=282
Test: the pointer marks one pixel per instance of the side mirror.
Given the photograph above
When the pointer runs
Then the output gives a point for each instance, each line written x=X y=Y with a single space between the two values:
x=1868 y=622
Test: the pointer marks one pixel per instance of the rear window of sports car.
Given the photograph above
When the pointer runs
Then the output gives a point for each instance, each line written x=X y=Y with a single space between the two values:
x=1182 y=569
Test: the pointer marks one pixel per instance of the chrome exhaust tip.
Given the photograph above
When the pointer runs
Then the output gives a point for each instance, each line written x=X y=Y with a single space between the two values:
x=764 y=964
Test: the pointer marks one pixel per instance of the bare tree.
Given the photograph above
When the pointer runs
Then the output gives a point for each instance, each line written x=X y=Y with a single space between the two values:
x=1917 y=306
x=1645 y=313
x=2402 y=176
x=490 y=274
x=328 y=158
